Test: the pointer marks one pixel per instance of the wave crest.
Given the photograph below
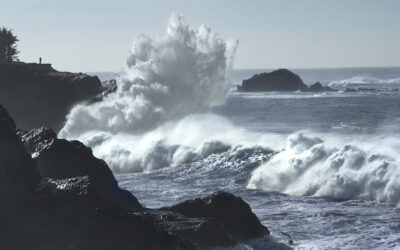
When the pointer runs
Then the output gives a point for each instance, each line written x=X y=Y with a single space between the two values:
x=307 y=166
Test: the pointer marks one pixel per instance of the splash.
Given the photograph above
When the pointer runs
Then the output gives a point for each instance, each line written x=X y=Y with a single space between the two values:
x=165 y=79
x=308 y=166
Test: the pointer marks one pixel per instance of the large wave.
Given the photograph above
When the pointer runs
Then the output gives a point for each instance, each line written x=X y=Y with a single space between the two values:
x=309 y=166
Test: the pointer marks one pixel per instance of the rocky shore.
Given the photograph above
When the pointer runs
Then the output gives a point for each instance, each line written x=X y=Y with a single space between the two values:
x=56 y=195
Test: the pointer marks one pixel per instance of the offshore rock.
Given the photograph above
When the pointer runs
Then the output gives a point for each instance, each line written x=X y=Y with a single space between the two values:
x=278 y=80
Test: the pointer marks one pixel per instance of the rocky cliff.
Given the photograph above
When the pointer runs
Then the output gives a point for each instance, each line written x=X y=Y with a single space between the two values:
x=37 y=95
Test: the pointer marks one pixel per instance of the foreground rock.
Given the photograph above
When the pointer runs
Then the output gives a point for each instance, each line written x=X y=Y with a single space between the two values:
x=37 y=94
x=61 y=159
x=220 y=211
x=65 y=198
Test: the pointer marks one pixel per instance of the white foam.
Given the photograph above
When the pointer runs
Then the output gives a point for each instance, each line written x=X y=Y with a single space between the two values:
x=313 y=167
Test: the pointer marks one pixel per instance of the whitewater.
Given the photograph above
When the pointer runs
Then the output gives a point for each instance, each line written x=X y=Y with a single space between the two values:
x=321 y=167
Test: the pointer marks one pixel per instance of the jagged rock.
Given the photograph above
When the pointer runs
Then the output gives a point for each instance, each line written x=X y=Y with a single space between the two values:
x=230 y=211
x=317 y=87
x=37 y=95
x=278 y=80
x=60 y=159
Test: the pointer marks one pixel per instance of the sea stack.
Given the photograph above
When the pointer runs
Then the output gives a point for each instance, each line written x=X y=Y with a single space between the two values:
x=278 y=80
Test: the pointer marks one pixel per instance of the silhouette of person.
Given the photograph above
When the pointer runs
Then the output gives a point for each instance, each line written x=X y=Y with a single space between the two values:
x=40 y=60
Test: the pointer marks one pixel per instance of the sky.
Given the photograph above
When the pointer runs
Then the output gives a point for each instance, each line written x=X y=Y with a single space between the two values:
x=96 y=35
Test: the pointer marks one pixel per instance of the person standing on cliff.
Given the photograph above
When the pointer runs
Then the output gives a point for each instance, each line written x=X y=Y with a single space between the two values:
x=40 y=60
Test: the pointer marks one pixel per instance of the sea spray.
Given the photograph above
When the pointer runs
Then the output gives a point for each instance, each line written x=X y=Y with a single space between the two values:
x=165 y=79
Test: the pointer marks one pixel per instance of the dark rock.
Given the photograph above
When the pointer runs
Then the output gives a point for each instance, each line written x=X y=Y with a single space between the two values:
x=230 y=211
x=318 y=87
x=71 y=214
x=18 y=175
x=60 y=159
x=37 y=95
x=278 y=80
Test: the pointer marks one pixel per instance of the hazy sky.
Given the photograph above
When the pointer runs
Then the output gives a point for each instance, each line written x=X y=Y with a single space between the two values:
x=96 y=35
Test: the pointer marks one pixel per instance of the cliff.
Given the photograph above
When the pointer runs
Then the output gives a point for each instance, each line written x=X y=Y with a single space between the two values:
x=37 y=95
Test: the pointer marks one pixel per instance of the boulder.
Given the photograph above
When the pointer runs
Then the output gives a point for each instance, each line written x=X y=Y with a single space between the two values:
x=278 y=80
x=37 y=95
x=61 y=159
x=230 y=212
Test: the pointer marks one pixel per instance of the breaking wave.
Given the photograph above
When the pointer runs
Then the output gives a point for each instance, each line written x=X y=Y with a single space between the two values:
x=309 y=166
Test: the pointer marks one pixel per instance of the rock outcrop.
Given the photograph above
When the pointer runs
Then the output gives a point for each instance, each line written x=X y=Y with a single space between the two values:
x=37 y=95
x=278 y=80
x=65 y=198
x=61 y=159
x=227 y=214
